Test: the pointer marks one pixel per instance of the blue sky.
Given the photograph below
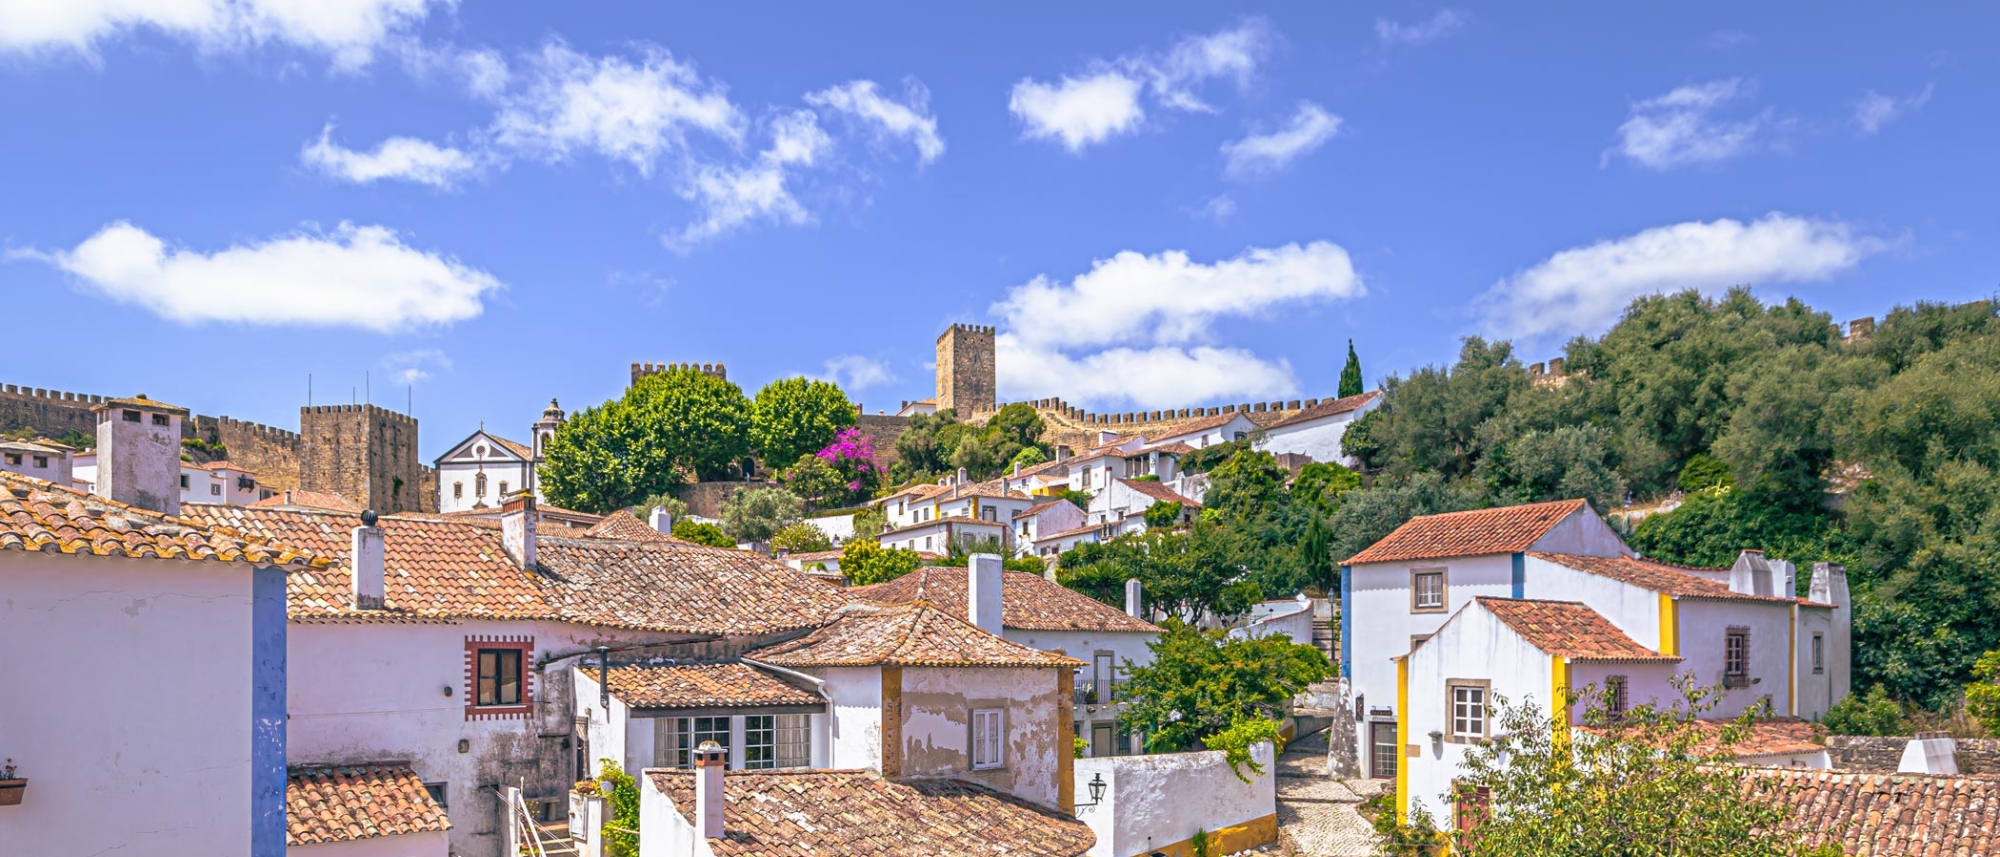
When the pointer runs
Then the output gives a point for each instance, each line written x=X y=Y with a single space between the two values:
x=485 y=205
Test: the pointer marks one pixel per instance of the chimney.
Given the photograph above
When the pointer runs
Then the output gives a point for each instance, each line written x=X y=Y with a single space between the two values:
x=709 y=761
x=1062 y=453
x=1132 y=600
x=662 y=520
x=1751 y=575
x=1105 y=436
x=139 y=453
x=1829 y=586
x=982 y=592
x=1017 y=469
x=517 y=529
x=368 y=560
x=1934 y=753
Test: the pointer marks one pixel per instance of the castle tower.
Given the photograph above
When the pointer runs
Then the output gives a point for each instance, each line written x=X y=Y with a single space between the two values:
x=545 y=428
x=139 y=453
x=643 y=369
x=965 y=369
x=364 y=453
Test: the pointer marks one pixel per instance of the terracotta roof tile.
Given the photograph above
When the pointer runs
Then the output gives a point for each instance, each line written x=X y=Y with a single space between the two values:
x=520 y=449
x=1891 y=815
x=1658 y=577
x=1028 y=602
x=834 y=813
x=720 y=685
x=688 y=588
x=39 y=515
x=914 y=634
x=1329 y=408
x=1158 y=492
x=1038 y=508
x=624 y=526
x=1568 y=629
x=1509 y=529
x=343 y=803
x=300 y=497
x=1201 y=425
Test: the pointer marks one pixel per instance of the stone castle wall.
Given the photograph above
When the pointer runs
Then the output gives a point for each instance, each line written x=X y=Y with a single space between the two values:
x=641 y=370
x=1077 y=428
x=53 y=413
x=1882 y=755
x=965 y=370
x=270 y=453
x=365 y=453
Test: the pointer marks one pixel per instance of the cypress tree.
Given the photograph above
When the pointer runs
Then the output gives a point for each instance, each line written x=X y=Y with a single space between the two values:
x=1350 y=377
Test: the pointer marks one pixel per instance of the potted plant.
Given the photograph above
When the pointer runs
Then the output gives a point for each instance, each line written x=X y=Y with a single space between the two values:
x=11 y=786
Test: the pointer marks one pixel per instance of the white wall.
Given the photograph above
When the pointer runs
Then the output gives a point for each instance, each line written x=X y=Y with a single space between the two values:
x=1154 y=801
x=857 y=715
x=1319 y=439
x=937 y=705
x=1476 y=645
x=125 y=699
x=838 y=528
x=1815 y=692
x=1583 y=532
x=667 y=832
x=1382 y=621
x=1292 y=618
x=1703 y=627
x=428 y=844
x=1635 y=610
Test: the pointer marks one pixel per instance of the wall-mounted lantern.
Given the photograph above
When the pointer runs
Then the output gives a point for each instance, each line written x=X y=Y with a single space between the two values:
x=1096 y=786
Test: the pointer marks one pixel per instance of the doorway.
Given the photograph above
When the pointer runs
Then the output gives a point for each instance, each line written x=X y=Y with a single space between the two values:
x=1382 y=750
x=1103 y=739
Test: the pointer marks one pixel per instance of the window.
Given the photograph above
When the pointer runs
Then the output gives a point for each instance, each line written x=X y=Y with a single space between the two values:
x=41 y=461
x=676 y=737
x=988 y=738
x=927 y=543
x=1468 y=710
x=159 y=419
x=245 y=483
x=131 y=416
x=1819 y=654
x=989 y=513
x=1427 y=590
x=503 y=487
x=14 y=458
x=214 y=490
x=1384 y=751
x=479 y=485
x=794 y=740
x=184 y=482
x=1736 y=658
x=1614 y=696
x=760 y=741
x=1417 y=640
x=499 y=677
x=457 y=490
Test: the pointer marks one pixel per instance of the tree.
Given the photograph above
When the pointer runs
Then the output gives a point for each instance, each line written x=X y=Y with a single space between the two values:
x=702 y=533
x=1563 y=463
x=958 y=554
x=756 y=514
x=869 y=523
x=866 y=562
x=1982 y=697
x=1164 y=514
x=986 y=452
x=800 y=537
x=852 y=457
x=666 y=428
x=1202 y=683
x=814 y=480
x=676 y=508
x=1654 y=780
x=1874 y=713
x=1029 y=456
x=1193 y=574
x=796 y=416
x=1320 y=485
x=1350 y=375
x=925 y=448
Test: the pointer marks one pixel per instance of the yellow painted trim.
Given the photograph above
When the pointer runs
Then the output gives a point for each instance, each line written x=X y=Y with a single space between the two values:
x=1402 y=740
x=1229 y=840
x=1792 y=664
x=1065 y=747
x=1670 y=626
x=1559 y=699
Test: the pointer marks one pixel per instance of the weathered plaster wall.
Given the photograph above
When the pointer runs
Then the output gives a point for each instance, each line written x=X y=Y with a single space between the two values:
x=936 y=727
x=857 y=715
x=148 y=746
x=1703 y=628
x=1156 y=802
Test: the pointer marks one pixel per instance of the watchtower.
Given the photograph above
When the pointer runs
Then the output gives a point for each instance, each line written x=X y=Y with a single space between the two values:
x=365 y=453
x=965 y=369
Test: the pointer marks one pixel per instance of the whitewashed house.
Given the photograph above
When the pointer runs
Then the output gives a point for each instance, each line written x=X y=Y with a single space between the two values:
x=482 y=470
x=1043 y=519
x=1126 y=500
x=221 y=482
x=42 y=459
x=145 y=684
x=1316 y=431
x=1208 y=431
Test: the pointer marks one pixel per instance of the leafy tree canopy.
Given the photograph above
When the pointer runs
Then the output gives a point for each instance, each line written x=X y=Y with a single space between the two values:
x=796 y=416
x=666 y=428
x=800 y=537
x=757 y=514
x=1350 y=375
x=864 y=561
x=702 y=533
x=1201 y=684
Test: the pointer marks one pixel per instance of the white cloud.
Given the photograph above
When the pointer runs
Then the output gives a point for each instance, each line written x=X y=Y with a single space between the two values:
x=863 y=100
x=634 y=111
x=1104 y=102
x=1218 y=209
x=404 y=158
x=1680 y=127
x=1079 y=111
x=354 y=276
x=1728 y=40
x=1446 y=22
x=1584 y=289
x=482 y=71
x=1310 y=127
x=1137 y=328
x=348 y=32
x=1874 y=110
x=732 y=196
x=409 y=367
x=854 y=372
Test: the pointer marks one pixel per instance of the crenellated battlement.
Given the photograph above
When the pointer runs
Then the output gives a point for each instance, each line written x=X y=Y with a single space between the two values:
x=372 y=410
x=641 y=370
x=980 y=329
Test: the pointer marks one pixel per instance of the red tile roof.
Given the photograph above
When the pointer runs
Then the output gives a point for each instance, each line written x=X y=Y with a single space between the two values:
x=836 y=813
x=308 y=499
x=1158 y=492
x=39 y=515
x=1568 y=629
x=1509 y=529
x=1028 y=602
x=1656 y=576
x=1037 y=509
x=915 y=634
x=624 y=526
x=343 y=803
x=720 y=685
x=680 y=587
x=1890 y=815
x=1328 y=408
x=1201 y=425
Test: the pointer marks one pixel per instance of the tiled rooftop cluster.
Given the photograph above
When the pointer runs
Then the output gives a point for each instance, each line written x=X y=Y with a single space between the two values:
x=916 y=634
x=38 y=515
x=1028 y=602
x=716 y=685
x=1482 y=531
x=342 y=803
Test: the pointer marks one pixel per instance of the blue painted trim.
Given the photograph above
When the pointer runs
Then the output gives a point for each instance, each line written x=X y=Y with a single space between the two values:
x=267 y=712
x=1520 y=576
x=1346 y=623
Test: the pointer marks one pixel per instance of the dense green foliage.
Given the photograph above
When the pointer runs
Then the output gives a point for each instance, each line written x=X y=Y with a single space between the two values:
x=1163 y=514
x=1872 y=713
x=864 y=561
x=1882 y=454
x=702 y=533
x=1201 y=684
x=1982 y=697
x=667 y=428
x=938 y=444
x=958 y=554
x=621 y=797
x=797 y=416
x=1350 y=375
x=757 y=514
x=800 y=537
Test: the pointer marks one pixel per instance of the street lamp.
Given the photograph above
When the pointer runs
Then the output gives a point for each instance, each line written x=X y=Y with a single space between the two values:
x=1096 y=787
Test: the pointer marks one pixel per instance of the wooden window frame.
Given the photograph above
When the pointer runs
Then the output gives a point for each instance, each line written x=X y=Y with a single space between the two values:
x=1819 y=653
x=1740 y=677
x=1451 y=689
x=1444 y=589
x=999 y=742
x=522 y=710
x=766 y=728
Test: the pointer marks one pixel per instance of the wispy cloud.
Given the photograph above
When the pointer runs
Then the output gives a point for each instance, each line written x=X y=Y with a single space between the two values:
x=909 y=119
x=1684 y=127
x=404 y=158
x=1392 y=34
x=1309 y=128
x=1729 y=40
x=1106 y=100
x=1079 y=112
x=855 y=372
x=410 y=367
x=348 y=32
x=1874 y=110
x=1219 y=209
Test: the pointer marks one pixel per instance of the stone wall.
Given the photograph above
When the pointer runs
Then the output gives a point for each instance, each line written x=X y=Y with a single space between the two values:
x=641 y=370
x=1077 y=429
x=1883 y=755
x=705 y=498
x=53 y=413
x=882 y=431
x=965 y=370
x=365 y=453
x=270 y=453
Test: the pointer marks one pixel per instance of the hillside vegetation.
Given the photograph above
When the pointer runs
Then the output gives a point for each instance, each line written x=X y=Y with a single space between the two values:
x=1882 y=454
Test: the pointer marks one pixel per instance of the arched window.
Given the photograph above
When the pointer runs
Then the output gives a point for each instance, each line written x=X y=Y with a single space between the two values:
x=479 y=485
x=503 y=487
x=457 y=490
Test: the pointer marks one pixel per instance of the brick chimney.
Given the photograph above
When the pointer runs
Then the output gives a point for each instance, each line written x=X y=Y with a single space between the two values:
x=369 y=560
x=139 y=453
x=517 y=529
x=982 y=592
x=709 y=761
x=1132 y=600
x=662 y=520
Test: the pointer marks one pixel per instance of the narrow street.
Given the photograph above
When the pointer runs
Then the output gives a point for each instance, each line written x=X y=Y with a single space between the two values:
x=1318 y=815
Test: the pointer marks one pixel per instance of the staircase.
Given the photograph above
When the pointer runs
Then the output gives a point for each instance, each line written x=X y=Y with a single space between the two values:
x=554 y=839
x=1326 y=638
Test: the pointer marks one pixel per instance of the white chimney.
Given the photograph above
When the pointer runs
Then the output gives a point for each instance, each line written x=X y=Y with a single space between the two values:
x=517 y=529
x=1933 y=753
x=662 y=520
x=139 y=453
x=368 y=559
x=982 y=592
x=1829 y=586
x=1751 y=575
x=1062 y=453
x=1017 y=469
x=1132 y=601
x=1105 y=436
x=709 y=761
